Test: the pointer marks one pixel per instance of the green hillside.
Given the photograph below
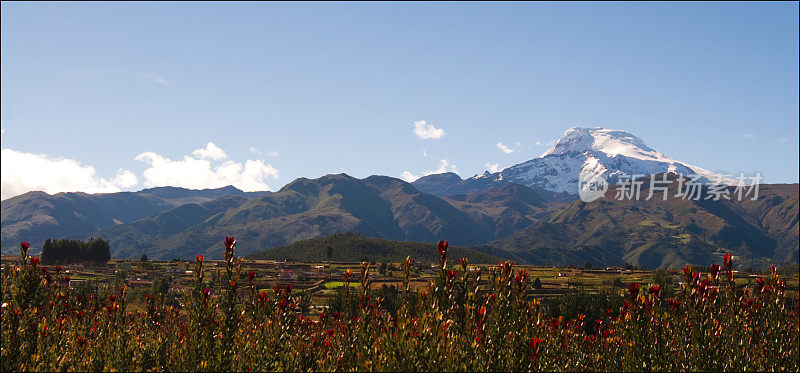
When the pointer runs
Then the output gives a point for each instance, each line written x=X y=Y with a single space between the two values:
x=349 y=247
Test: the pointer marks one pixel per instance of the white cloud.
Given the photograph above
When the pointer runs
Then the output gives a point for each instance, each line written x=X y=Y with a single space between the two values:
x=24 y=172
x=151 y=77
x=125 y=179
x=160 y=80
x=408 y=176
x=504 y=148
x=256 y=151
x=493 y=167
x=538 y=143
x=211 y=151
x=199 y=173
x=444 y=166
x=427 y=131
x=425 y=154
x=748 y=136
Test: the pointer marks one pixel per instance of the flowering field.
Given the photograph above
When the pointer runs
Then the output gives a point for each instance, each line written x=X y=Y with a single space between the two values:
x=455 y=325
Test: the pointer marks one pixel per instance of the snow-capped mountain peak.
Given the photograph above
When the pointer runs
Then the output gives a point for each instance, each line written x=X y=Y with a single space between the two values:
x=598 y=151
x=611 y=142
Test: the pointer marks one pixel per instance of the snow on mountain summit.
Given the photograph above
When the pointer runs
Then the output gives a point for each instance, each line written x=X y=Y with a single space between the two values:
x=611 y=142
x=598 y=151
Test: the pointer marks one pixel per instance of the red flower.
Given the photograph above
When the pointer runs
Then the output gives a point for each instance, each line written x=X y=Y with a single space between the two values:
x=251 y=275
x=687 y=271
x=714 y=270
x=34 y=261
x=655 y=289
x=25 y=246
x=633 y=289
x=200 y=258
x=58 y=268
x=534 y=343
x=760 y=284
x=728 y=260
x=230 y=242
x=206 y=292
x=442 y=247
x=520 y=278
x=482 y=311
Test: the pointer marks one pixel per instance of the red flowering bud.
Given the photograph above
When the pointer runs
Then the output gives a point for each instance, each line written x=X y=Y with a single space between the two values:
x=200 y=258
x=482 y=311
x=251 y=275
x=24 y=246
x=206 y=292
x=714 y=270
x=230 y=242
x=728 y=260
x=289 y=288
x=759 y=284
x=147 y=296
x=687 y=272
x=442 y=247
x=633 y=289
x=58 y=268
x=655 y=289
x=534 y=343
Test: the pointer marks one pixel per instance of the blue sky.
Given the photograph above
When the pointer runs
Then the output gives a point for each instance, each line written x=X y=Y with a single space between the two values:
x=302 y=90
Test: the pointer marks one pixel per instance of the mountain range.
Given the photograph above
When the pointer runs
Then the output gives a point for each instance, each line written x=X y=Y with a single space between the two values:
x=528 y=212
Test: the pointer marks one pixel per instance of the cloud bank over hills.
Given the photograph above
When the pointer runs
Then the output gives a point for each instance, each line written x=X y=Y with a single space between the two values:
x=207 y=167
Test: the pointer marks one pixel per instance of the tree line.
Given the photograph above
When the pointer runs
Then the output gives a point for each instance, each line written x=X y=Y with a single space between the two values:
x=70 y=251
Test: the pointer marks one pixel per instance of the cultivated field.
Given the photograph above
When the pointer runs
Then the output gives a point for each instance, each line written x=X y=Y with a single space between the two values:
x=233 y=314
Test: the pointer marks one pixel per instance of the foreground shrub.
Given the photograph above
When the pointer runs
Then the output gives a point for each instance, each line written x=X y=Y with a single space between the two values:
x=455 y=325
